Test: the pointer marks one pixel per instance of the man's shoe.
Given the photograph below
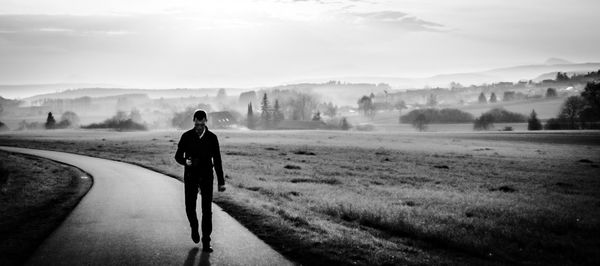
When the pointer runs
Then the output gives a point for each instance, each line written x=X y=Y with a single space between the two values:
x=195 y=236
x=207 y=248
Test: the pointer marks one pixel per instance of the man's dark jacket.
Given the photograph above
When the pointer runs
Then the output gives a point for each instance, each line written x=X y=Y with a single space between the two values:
x=204 y=152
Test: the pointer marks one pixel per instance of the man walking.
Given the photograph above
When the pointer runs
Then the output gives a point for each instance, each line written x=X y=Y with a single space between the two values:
x=199 y=152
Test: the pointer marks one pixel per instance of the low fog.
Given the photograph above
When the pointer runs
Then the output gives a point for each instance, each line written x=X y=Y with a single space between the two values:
x=333 y=105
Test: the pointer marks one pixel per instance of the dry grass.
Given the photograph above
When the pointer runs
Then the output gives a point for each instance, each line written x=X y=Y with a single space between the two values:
x=330 y=197
x=35 y=196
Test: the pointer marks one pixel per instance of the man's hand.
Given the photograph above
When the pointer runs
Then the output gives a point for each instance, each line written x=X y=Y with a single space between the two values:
x=188 y=162
x=222 y=188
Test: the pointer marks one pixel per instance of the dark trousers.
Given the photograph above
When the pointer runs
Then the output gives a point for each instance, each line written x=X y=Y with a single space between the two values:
x=204 y=183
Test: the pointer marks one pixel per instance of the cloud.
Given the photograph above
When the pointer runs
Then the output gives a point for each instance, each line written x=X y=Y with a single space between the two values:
x=395 y=19
x=71 y=24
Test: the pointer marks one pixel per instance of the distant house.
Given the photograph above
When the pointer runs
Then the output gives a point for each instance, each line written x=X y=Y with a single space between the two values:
x=222 y=119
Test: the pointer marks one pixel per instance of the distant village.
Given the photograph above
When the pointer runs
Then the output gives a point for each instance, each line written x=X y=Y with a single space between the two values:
x=296 y=106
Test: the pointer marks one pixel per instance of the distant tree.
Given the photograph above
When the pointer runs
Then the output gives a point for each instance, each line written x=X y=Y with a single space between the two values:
x=50 y=121
x=317 y=116
x=330 y=109
x=372 y=96
x=344 y=124
x=484 y=122
x=591 y=94
x=301 y=105
x=420 y=122
x=561 y=76
x=533 y=123
x=250 y=117
x=501 y=115
x=68 y=119
x=221 y=94
x=400 y=105
x=571 y=111
x=555 y=124
x=508 y=96
x=455 y=85
x=277 y=114
x=264 y=107
x=365 y=104
x=493 y=98
x=551 y=93
x=482 y=98
x=432 y=100
x=3 y=127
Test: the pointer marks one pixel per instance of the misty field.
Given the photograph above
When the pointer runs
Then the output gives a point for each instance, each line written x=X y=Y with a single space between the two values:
x=323 y=197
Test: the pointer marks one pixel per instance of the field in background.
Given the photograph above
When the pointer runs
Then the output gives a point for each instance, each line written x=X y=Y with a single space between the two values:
x=388 y=121
x=545 y=108
x=377 y=198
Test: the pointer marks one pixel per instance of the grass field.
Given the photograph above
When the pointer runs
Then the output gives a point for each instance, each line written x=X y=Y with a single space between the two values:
x=323 y=197
x=35 y=196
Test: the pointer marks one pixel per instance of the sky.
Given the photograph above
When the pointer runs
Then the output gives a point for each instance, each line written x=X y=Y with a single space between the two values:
x=250 y=43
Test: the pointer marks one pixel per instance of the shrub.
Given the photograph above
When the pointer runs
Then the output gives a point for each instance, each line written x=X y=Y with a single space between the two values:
x=344 y=125
x=119 y=122
x=555 y=124
x=420 y=122
x=500 y=115
x=70 y=117
x=446 y=115
x=484 y=122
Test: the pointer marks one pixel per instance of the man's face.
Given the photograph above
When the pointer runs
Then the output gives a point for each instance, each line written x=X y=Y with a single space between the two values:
x=199 y=124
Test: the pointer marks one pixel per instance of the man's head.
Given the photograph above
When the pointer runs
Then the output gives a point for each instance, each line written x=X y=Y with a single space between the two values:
x=199 y=119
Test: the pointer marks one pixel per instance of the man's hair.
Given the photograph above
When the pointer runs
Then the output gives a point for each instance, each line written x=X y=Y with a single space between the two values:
x=199 y=114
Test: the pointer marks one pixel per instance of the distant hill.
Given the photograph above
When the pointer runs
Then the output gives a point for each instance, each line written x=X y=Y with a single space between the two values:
x=556 y=61
x=32 y=92
x=107 y=92
x=26 y=90
x=510 y=74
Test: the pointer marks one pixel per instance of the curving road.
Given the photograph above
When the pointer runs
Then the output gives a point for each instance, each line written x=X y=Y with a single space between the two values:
x=134 y=216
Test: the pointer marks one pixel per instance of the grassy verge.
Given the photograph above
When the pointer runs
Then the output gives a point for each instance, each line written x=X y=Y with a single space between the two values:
x=506 y=203
x=36 y=195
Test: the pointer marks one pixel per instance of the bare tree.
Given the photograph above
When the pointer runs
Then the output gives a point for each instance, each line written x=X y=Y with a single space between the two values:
x=571 y=110
x=301 y=106
x=365 y=104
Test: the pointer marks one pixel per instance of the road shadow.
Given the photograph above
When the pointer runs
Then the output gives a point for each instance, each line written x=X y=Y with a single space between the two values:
x=191 y=258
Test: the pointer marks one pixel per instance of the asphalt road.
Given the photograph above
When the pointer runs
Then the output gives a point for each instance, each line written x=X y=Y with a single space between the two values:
x=134 y=216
